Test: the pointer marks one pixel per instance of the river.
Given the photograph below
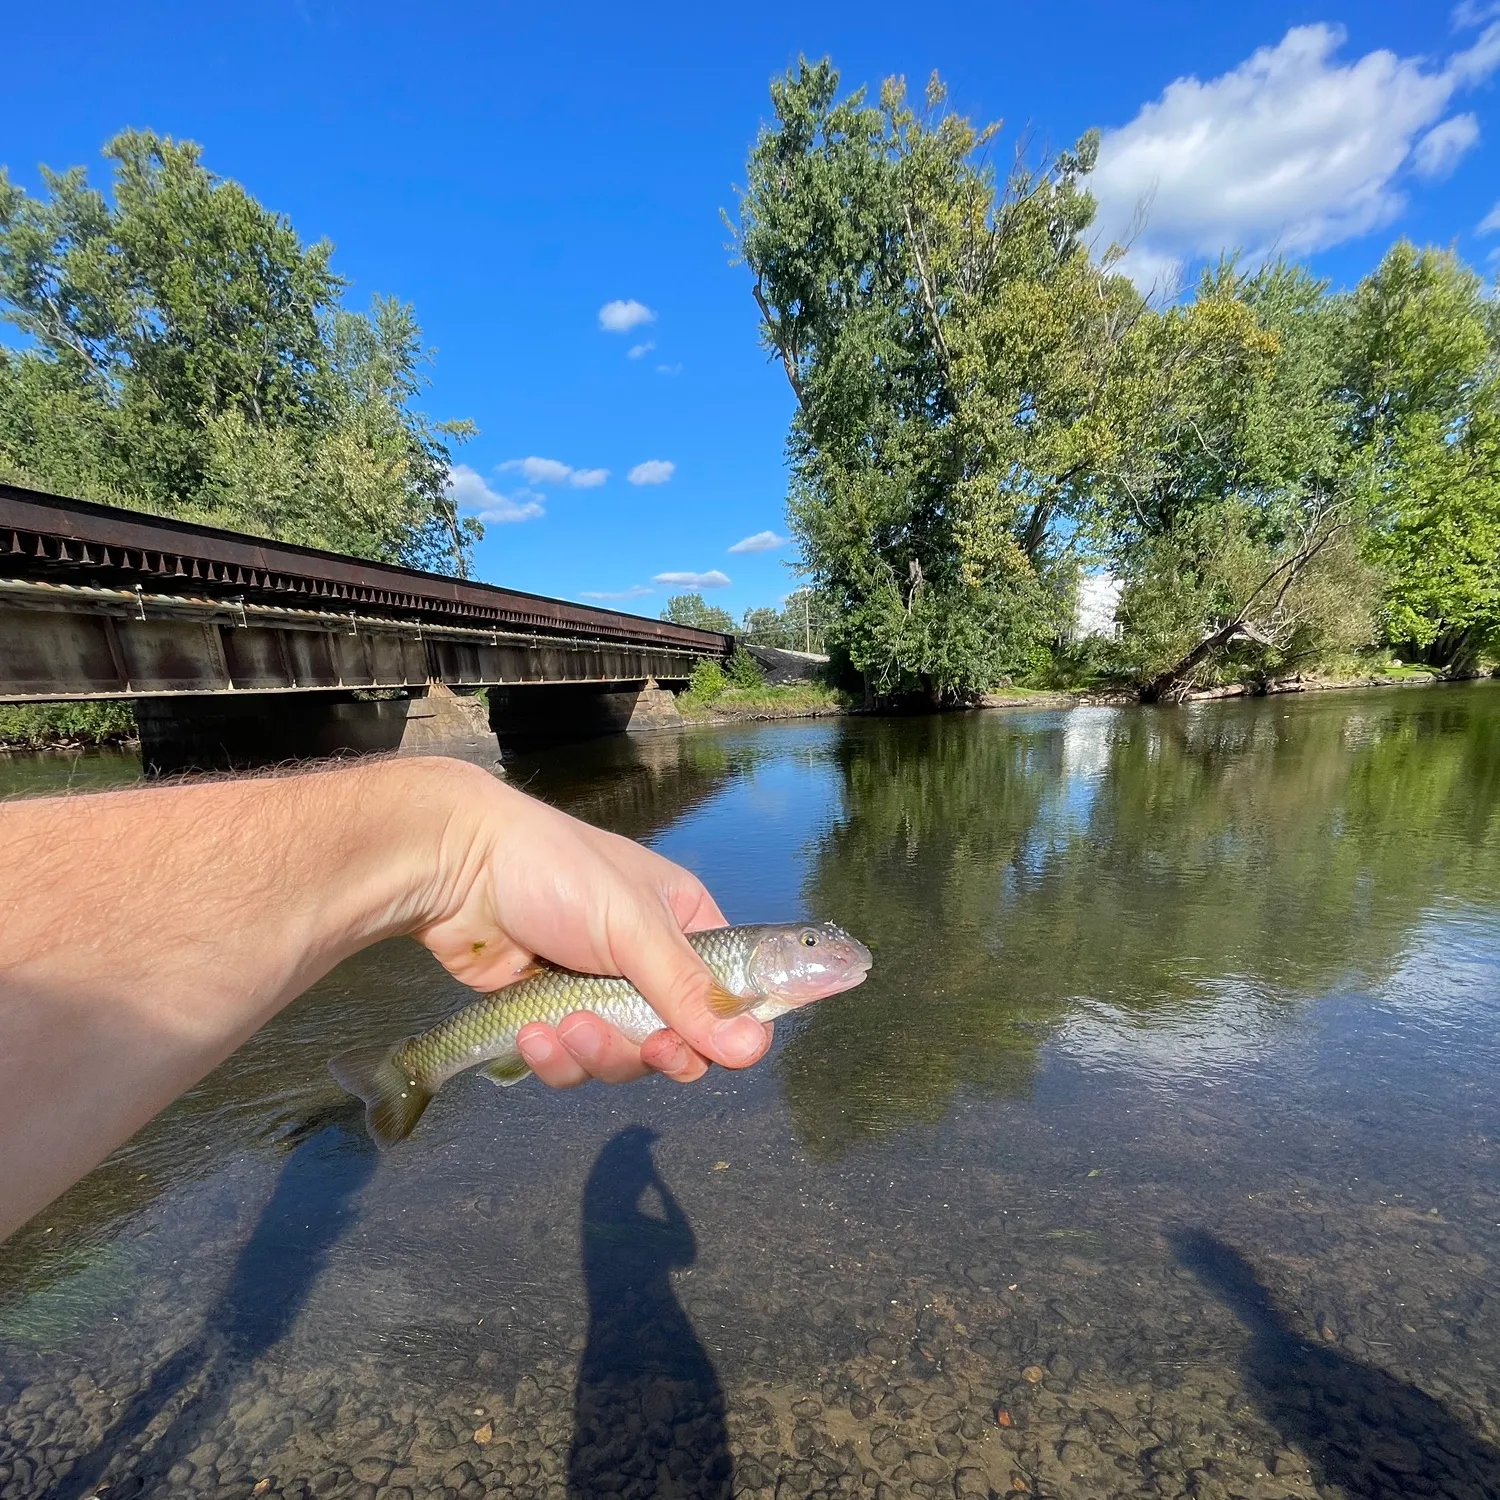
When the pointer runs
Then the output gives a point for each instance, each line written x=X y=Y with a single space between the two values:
x=1156 y=1157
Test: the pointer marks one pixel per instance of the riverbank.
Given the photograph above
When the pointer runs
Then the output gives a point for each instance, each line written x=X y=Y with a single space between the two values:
x=800 y=700
x=81 y=726
x=65 y=726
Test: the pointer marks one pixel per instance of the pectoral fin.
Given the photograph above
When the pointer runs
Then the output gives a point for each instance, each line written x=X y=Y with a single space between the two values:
x=725 y=1003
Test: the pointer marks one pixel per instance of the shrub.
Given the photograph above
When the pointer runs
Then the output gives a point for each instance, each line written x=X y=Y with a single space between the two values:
x=708 y=680
x=744 y=670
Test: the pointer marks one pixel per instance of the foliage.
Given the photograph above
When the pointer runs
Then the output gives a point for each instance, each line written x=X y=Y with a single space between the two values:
x=1425 y=382
x=793 y=700
x=41 y=724
x=1275 y=471
x=742 y=671
x=914 y=304
x=690 y=610
x=188 y=355
x=708 y=680
x=801 y=624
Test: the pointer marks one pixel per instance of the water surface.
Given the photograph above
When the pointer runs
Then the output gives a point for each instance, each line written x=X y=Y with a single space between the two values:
x=1157 y=1156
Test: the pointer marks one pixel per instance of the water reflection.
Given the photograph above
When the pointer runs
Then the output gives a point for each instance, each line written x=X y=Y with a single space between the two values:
x=311 y=1207
x=648 y=1410
x=1361 y=1429
x=1131 y=865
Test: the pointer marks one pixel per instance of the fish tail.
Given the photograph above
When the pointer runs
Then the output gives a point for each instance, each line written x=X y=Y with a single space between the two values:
x=394 y=1100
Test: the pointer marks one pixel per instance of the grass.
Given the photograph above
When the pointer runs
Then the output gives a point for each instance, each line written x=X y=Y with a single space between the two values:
x=798 y=700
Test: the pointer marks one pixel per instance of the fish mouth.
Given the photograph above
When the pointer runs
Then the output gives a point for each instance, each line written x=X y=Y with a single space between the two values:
x=855 y=974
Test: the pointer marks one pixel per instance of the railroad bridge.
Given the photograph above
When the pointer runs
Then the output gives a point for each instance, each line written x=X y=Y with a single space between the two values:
x=237 y=651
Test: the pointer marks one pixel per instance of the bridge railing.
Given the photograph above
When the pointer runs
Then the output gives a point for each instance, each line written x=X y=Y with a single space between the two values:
x=51 y=538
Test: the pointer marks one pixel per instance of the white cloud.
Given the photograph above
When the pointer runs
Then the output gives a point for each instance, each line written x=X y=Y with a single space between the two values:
x=1439 y=151
x=1294 y=149
x=621 y=317
x=1474 y=12
x=554 y=471
x=652 y=471
x=637 y=350
x=1490 y=223
x=634 y=592
x=762 y=541
x=669 y=369
x=713 y=579
x=470 y=493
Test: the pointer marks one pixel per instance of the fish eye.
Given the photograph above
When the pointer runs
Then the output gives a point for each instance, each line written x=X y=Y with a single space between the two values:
x=809 y=940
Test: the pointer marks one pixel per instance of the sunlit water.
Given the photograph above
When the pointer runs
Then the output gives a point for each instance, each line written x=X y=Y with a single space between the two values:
x=1156 y=1157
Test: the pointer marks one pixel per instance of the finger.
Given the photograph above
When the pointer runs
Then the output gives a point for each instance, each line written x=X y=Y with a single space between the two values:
x=548 y=1058
x=667 y=1053
x=653 y=954
x=601 y=1051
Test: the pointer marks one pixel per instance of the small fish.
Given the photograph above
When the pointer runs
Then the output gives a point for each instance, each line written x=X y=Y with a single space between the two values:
x=766 y=970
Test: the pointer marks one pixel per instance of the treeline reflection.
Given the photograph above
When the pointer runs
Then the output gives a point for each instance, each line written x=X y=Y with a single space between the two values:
x=1012 y=870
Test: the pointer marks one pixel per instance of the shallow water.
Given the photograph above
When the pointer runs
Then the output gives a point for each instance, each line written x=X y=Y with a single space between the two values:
x=1156 y=1157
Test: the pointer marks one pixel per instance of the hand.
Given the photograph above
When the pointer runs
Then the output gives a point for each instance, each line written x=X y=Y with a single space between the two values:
x=516 y=878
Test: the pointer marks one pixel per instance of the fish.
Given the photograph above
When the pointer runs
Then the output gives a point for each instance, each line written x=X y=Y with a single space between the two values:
x=764 y=970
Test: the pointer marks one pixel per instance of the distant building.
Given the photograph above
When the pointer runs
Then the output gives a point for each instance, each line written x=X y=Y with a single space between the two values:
x=1098 y=599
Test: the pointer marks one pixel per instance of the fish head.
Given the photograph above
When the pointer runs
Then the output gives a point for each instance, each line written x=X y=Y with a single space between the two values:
x=796 y=964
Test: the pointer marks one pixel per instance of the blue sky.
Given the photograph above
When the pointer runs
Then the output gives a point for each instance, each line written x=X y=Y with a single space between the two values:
x=514 y=171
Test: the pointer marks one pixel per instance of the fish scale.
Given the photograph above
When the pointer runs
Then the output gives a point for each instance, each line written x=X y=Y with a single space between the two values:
x=760 y=970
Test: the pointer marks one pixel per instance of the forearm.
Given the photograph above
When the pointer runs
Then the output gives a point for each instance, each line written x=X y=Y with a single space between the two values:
x=144 y=935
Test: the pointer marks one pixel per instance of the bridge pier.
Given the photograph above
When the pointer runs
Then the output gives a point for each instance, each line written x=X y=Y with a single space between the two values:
x=533 y=714
x=222 y=732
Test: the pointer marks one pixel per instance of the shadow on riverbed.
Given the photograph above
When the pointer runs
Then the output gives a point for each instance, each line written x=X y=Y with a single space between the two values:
x=309 y=1211
x=1360 y=1429
x=648 y=1410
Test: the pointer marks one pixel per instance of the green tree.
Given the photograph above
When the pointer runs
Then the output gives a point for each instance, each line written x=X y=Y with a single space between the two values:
x=690 y=610
x=945 y=337
x=1424 y=381
x=1237 y=488
x=801 y=624
x=189 y=354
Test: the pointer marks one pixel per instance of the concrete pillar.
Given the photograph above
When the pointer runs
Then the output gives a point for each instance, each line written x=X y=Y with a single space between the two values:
x=230 y=732
x=655 y=708
x=449 y=723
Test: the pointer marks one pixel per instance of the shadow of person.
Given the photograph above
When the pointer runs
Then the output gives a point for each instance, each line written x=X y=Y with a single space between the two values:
x=648 y=1413
x=311 y=1207
x=1360 y=1429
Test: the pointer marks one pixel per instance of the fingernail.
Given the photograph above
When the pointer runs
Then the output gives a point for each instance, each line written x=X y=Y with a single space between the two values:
x=667 y=1056
x=536 y=1048
x=580 y=1038
x=740 y=1040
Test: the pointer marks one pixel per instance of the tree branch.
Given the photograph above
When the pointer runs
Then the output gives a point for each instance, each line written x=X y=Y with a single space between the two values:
x=773 y=328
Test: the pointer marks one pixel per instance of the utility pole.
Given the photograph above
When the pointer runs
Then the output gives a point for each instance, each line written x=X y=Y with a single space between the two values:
x=807 y=621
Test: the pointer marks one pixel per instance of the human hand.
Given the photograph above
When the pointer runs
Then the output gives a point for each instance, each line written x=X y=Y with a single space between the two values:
x=516 y=879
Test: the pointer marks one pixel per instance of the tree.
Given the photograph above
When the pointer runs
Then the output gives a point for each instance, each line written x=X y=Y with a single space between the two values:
x=189 y=354
x=690 y=610
x=945 y=337
x=1237 y=488
x=1424 y=383
x=802 y=624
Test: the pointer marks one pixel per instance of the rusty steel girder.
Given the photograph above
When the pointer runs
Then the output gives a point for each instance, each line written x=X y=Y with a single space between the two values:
x=62 y=642
x=52 y=538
